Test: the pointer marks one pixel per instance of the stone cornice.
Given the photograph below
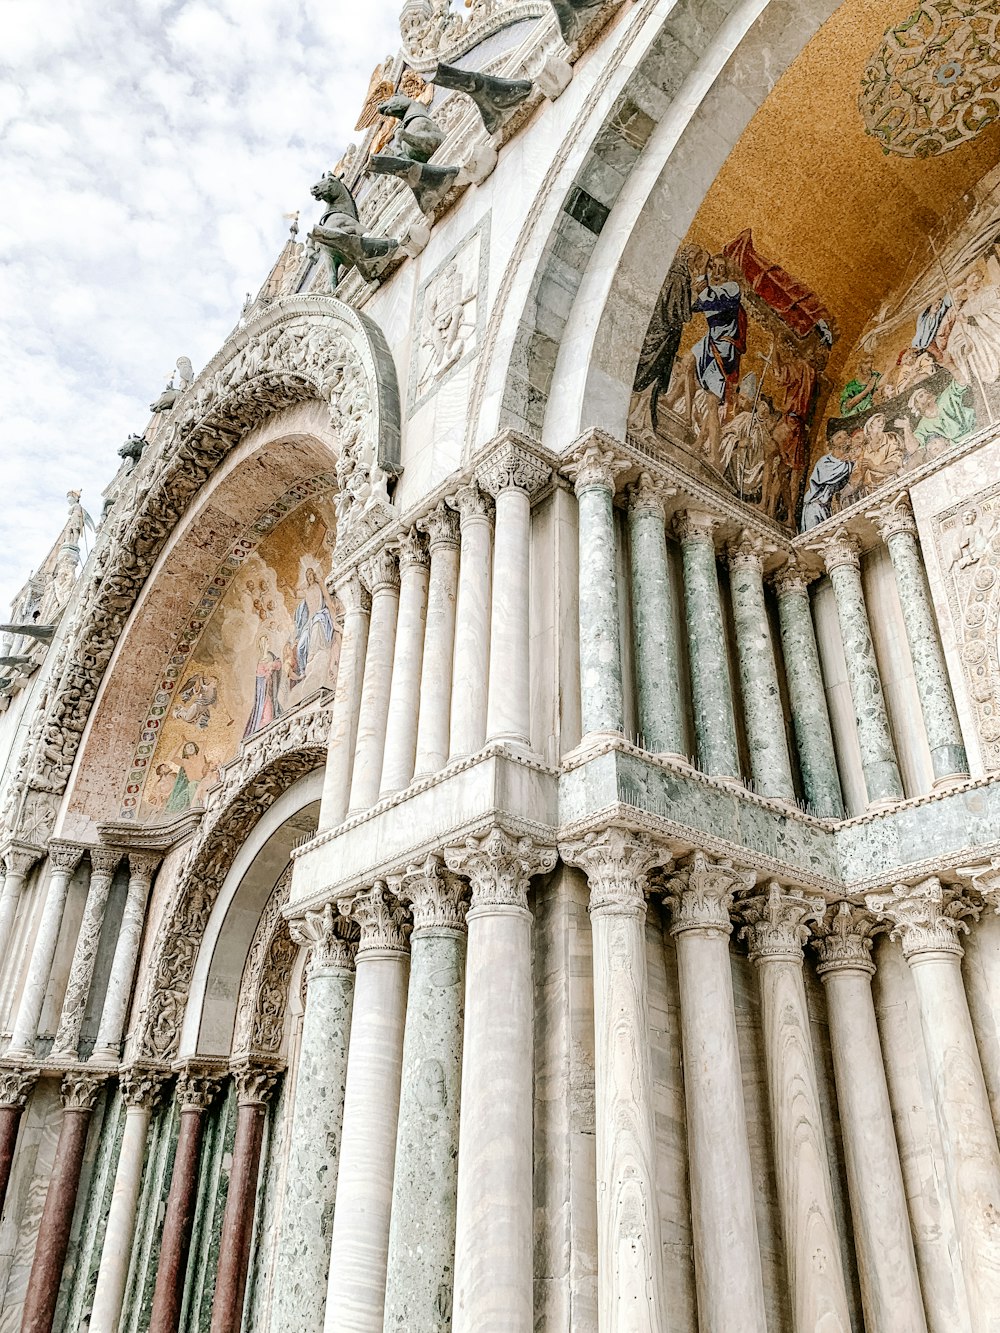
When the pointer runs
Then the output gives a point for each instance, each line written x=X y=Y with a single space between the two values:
x=159 y=837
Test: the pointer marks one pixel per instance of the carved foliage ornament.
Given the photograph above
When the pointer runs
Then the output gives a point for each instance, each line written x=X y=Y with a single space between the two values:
x=16 y=1086
x=925 y=917
x=512 y=467
x=595 y=467
x=617 y=866
x=700 y=896
x=843 y=939
x=437 y=897
x=776 y=923
x=327 y=936
x=499 y=867
x=382 y=918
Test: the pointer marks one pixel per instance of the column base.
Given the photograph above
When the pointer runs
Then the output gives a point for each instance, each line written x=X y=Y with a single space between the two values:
x=949 y=781
x=103 y=1056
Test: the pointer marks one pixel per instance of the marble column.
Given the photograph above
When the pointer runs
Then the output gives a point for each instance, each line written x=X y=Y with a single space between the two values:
x=602 y=699
x=16 y=1086
x=195 y=1092
x=714 y=720
x=360 y=1243
x=898 y=529
x=654 y=622
x=408 y=657
x=726 y=1249
x=433 y=727
x=927 y=919
x=842 y=557
x=887 y=1266
x=422 y=1231
x=18 y=858
x=630 y=1288
x=512 y=475
x=381 y=576
x=807 y=694
x=763 y=712
x=354 y=598
x=776 y=931
x=64 y=857
x=79 y=1093
x=141 y=867
x=470 y=682
x=254 y=1085
x=495 y=1213
x=302 y=1259
x=103 y=863
x=140 y=1088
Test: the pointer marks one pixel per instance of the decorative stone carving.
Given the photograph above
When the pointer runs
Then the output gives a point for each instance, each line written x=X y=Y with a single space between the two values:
x=341 y=236
x=326 y=934
x=893 y=515
x=381 y=571
x=575 y=16
x=594 y=465
x=792 y=577
x=381 y=917
x=19 y=857
x=17 y=1085
x=437 y=898
x=416 y=140
x=617 y=865
x=197 y=1087
x=260 y=1010
x=473 y=503
x=352 y=594
x=64 y=856
x=776 y=923
x=747 y=552
x=433 y=30
x=843 y=939
x=925 y=917
x=411 y=549
x=512 y=466
x=132 y=450
x=449 y=315
x=700 y=894
x=80 y=1089
x=646 y=494
x=254 y=1082
x=693 y=525
x=141 y=1087
x=500 y=866
x=441 y=527
x=840 y=548
x=103 y=863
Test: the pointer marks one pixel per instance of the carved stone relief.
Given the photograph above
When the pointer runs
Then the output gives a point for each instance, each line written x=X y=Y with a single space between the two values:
x=450 y=314
x=260 y=1013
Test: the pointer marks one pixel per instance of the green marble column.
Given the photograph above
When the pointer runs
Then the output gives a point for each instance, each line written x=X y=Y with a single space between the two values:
x=654 y=620
x=898 y=530
x=601 y=692
x=302 y=1260
x=762 y=708
x=714 y=723
x=842 y=557
x=421 y=1267
x=807 y=695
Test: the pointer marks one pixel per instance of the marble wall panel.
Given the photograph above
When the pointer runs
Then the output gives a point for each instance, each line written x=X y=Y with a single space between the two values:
x=981 y=970
x=36 y=1150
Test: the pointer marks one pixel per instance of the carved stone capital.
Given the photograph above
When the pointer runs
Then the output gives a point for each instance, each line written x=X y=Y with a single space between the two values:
x=141 y=1087
x=694 y=525
x=648 y=496
x=843 y=939
x=985 y=880
x=352 y=594
x=255 y=1082
x=382 y=919
x=840 y=549
x=512 y=466
x=381 y=571
x=104 y=860
x=326 y=934
x=595 y=466
x=17 y=1085
x=80 y=1088
x=412 y=550
x=142 y=866
x=18 y=857
x=438 y=898
x=894 y=516
x=617 y=865
x=926 y=917
x=499 y=867
x=776 y=923
x=700 y=894
x=747 y=552
x=791 y=578
x=441 y=526
x=65 y=856
x=197 y=1088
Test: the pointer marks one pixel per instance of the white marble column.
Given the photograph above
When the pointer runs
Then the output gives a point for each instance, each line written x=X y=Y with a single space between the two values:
x=359 y=1246
x=494 y=1227
x=353 y=596
x=381 y=576
x=18 y=858
x=726 y=1248
x=887 y=1266
x=141 y=866
x=512 y=474
x=927 y=918
x=630 y=1288
x=433 y=727
x=776 y=931
x=140 y=1088
x=408 y=657
x=470 y=682
x=103 y=864
x=63 y=859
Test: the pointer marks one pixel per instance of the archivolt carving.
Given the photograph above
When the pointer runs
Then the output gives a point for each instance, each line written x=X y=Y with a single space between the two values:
x=260 y=1013
x=297 y=348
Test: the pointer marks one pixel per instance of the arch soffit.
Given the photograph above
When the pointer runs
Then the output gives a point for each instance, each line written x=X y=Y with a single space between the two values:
x=298 y=348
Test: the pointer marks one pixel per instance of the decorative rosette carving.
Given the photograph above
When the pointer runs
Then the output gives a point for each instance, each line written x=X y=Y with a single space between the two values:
x=499 y=867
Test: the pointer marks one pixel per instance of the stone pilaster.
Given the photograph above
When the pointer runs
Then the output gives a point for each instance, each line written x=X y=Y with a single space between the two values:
x=726 y=1248
x=714 y=720
x=630 y=1291
x=493 y=1246
x=441 y=527
x=103 y=864
x=142 y=867
x=353 y=596
x=404 y=695
x=381 y=577
x=654 y=620
x=842 y=556
x=776 y=929
x=470 y=683
x=18 y=858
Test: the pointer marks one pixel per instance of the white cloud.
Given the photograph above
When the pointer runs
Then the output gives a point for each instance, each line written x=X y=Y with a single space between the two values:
x=148 y=149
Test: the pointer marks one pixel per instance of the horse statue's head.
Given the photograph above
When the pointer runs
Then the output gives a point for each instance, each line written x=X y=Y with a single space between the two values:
x=397 y=106
x=332 y=191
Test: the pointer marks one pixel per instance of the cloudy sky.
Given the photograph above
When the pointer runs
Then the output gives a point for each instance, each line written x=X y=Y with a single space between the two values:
x=148 y=149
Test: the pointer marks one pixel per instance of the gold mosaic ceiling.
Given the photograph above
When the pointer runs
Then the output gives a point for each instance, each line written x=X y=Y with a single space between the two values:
x=821 y=196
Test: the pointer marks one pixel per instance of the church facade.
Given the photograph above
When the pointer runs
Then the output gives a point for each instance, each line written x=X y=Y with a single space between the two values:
x=501 y=832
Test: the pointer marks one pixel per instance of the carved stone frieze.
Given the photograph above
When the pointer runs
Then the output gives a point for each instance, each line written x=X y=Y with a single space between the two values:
x=432 y=31
x=17 y=1085
x=437 y=898
x=776 y=923
x=925 y=917
x=500 y=866
x=700 y=894
x=843 y=939
x=617 y=865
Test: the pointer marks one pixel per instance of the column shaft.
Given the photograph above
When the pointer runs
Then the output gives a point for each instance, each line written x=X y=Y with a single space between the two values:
x=81 y=973
x=382 y=577
x=346 y=702
x=472 y=625
x=404 y=696
x=18 y=858
x=807 y=695
x=508 y=708
x=116 y=998
x=654 y=621
x=63 y=861
x=439 y=644
x=16 y=1086
x=120 y=1230
x=714 y=721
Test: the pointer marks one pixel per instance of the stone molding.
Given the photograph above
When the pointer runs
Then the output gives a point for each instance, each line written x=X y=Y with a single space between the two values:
x=80 y=1089
x=64 y=856
x=512 y=465
x=595 y=465
x=776 y=923
x=700 y=895
x=141 y=1087
x=412 y=550
x=18 y=857
x=839 y=550
x=649 y=495
x=381 y=572
x=198 y=1085
x=255 y=1082
x=926 y=918
x=382 y=919
x=500 y=866
x=325 y=935
x=263 y=996
x=441 y=526
x=617 y=863
x=17 y=1085
x=842 y=939
x=893 y=516
x=474 y=505
x=438 y=899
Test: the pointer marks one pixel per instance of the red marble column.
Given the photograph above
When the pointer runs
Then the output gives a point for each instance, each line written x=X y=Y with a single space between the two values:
x=195 y=1092
x=254 y=1084
x=15 y=1088
x=79 y=1096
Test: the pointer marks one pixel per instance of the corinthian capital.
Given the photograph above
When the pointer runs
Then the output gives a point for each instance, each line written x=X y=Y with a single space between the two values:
x=694 y=525
x=254 y=1082
x=775 y=924
x=648 y=496
x=19 y=857
x=893 y=516
x=352 y=594
x=142 y=866
x=840 y=549
x=197 y=1087
x=593 y=464
x=381 y=571
x=512 y=466
x=80 y=1088
x=437 y=897
x=382 y=918
x=104 y=860
x=792 y=578
x=843 y=939
x=472 y=503
x=16 y=1086
x=617 y=865
x=441 y=526
x=700 y=895
x=499 y=867
x=140 y=1086
x=64 y=856
x=412 y=550
x=925 y=917
x=326 y=934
